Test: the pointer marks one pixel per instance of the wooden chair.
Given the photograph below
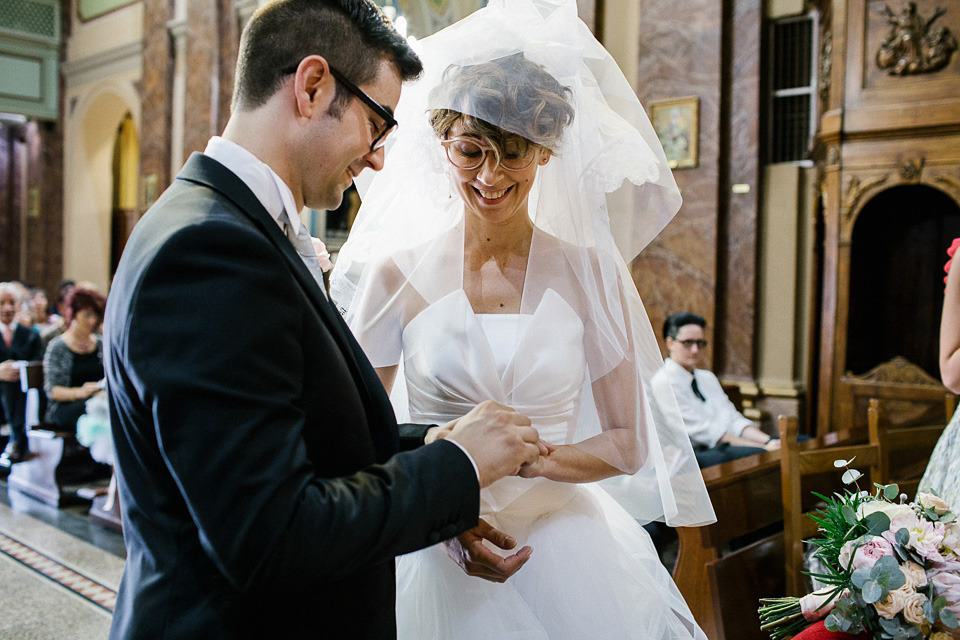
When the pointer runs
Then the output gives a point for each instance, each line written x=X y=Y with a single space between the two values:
x=911 y=395
x=806 y=466
x=906 y=450
x=721 y=585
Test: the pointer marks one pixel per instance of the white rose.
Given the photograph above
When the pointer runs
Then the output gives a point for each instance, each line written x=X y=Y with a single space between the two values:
x=930 y=501
x=892 y=605
x=892 y=510
x=913 y=574
x=913 y=610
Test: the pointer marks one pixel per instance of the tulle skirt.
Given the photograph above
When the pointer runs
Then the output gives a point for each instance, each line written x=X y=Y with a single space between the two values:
x=594 y=574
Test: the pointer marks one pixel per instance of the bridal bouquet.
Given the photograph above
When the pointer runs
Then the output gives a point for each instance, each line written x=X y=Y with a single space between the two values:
x=892 y=568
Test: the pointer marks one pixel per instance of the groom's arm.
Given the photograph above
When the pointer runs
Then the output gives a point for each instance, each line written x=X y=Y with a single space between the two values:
x=413 y=435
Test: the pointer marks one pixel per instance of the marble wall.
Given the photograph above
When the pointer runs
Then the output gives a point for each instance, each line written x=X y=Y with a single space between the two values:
x=155 y=91
x=680 y=53
x=705 y=260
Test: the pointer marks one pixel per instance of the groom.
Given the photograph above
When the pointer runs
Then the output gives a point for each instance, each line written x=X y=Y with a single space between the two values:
x=257 y=465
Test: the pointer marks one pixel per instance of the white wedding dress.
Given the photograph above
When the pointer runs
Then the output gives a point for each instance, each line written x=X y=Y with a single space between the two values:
x=594 y=573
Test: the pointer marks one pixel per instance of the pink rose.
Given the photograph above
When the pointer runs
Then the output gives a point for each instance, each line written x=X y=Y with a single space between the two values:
x=870 y=551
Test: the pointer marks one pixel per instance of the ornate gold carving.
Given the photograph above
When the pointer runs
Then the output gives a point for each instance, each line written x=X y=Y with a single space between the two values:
x=899 y=370
x=856 y=189
x=833 y=155
x=950 y=181
x=910 y=170
x=912 y=46
x=826 y=63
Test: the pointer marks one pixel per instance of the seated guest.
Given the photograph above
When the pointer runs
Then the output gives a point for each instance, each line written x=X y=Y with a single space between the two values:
x=56 y=328
x=39 y=308
x=73 y=363
x=718 y=431
x=18 y=343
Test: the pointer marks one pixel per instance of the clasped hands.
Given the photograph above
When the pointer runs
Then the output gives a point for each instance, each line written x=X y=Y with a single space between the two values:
x=501 y=442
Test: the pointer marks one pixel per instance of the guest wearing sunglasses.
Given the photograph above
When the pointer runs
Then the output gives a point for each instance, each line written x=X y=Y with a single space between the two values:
x=718 y=431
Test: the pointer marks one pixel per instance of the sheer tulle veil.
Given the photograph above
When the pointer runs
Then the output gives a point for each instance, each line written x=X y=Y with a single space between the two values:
x=606 y=192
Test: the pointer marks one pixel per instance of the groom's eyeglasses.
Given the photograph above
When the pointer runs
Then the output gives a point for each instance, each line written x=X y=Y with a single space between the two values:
x=389 y=122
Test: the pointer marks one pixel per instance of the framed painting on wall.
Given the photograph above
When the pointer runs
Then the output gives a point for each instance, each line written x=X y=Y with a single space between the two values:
x=677 y=123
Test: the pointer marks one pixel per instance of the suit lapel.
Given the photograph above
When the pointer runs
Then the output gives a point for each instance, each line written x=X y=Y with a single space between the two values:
x=206 y=171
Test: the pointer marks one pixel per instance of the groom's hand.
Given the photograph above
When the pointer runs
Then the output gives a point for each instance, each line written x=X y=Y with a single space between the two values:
x=499 y=440
x=476 y=559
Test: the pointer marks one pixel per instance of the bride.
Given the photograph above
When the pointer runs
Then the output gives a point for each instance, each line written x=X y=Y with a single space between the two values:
x=482 y=265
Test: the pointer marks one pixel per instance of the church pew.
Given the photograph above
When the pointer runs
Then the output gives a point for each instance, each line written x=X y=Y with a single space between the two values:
x=809 y=466
x=746 y=498
x=58 y=464
x=906 y=449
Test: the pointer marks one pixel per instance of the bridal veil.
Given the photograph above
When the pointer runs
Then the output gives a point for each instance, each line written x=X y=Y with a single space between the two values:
x=603 y=196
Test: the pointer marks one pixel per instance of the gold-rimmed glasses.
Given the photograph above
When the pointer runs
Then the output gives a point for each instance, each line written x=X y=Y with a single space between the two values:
x=470 y=153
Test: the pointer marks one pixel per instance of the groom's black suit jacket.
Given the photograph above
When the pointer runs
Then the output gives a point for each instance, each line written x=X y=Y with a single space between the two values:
x=260 y=490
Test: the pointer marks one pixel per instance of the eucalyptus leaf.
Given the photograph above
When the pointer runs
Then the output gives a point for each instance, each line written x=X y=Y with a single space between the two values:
x=872 y=592
x=890 y=491
x=876 y=523
x=939 y=603
x=903 y=536
x=948 y=619
x=849 y=515
x=843 y=463
x=850 y=476
x=860 y=577
x=948 y=517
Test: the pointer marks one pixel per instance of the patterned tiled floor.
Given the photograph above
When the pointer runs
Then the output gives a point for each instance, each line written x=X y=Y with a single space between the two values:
x=58 y=572
x=67 y=578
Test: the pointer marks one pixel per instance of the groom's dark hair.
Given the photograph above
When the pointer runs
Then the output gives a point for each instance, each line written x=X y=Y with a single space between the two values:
x=354 y=36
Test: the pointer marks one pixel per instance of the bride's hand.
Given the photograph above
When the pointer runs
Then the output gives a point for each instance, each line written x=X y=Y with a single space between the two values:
x=438 y=433
x=477 y=560
x=537 y=468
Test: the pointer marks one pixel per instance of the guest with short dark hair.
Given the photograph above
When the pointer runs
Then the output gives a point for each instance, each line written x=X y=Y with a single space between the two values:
x=73 y=363
x=718 y=431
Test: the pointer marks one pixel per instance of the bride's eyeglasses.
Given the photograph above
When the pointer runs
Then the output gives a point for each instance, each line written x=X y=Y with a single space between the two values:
x=470 y=153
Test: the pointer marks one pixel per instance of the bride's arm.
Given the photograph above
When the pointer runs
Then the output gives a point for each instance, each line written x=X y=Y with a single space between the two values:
x=574 y=463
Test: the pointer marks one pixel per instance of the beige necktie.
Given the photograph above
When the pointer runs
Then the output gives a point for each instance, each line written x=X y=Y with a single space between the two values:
x=7 y=335
x=308 y=253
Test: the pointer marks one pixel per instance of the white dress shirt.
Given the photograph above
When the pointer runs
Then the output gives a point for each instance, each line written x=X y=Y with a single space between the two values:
x=705 y=420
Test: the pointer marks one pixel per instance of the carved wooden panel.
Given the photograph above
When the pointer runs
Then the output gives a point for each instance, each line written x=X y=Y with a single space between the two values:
x=903 y=66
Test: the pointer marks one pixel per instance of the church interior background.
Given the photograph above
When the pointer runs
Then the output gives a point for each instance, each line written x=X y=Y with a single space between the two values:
x=816 y=143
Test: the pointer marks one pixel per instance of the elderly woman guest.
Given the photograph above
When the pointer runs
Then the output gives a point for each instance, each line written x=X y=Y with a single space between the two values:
x=73 y=362
x=486 y=269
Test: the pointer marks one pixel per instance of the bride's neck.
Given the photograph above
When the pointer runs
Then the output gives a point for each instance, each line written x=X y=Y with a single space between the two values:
x=485 y=240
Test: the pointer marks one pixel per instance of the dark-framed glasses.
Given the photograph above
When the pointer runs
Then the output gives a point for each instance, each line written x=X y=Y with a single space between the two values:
x=689 y=344
x=389 y=122
x=470 y=153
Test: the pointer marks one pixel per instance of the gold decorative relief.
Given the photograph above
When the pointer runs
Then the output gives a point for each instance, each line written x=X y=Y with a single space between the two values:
x=910 y=170
x=913 y=46
x=898 y=370
x=826 y=63
x=950 y=181
x=856 y=189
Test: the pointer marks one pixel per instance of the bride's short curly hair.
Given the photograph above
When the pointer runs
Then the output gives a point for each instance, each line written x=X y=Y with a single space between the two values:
x=503 y=99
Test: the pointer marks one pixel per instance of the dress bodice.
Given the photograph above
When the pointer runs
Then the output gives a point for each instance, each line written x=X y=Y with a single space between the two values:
x=454 y=359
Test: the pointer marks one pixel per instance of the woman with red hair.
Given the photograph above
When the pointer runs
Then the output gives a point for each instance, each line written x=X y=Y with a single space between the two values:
x=73 y=362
